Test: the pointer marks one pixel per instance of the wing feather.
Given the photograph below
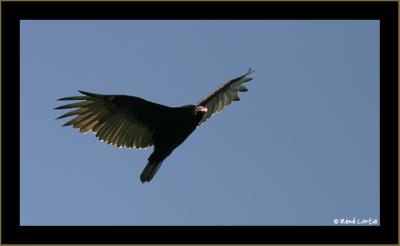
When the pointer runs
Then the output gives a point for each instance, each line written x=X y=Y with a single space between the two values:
x=124 y=121
x=102 y=134
x=106 y=134
x=221 y=102
x=121 y=133
x=145 y=140
x=136 y=140
x=74 y=112
x=131 y=137
x=224 y=95
x=242 y=88
x=98 y=127
x=83 y=119
x=235 y=96
x=83 y=124
x=227 y=99
x=109 y=134
x=87 y=128
x=114 y=133
x=75 y=105
x=124 y=141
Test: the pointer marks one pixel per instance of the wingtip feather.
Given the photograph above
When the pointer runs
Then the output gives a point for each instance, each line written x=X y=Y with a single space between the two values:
x=83 y=92
x=90 y=94
x=73 y=98
x=250 y=71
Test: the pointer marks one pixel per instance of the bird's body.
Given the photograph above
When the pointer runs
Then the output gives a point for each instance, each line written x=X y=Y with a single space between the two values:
x=173 y=131
x=129 y=121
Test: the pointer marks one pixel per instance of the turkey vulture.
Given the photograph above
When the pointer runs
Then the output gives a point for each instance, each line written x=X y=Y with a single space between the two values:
x=132 y=122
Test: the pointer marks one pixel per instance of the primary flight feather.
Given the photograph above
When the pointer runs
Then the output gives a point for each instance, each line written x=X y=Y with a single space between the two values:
x=132 y=122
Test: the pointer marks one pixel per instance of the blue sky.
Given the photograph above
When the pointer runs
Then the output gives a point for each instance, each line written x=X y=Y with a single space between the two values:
x=300 y=148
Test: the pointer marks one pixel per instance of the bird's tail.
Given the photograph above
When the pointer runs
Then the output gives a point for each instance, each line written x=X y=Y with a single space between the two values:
x=150 y=170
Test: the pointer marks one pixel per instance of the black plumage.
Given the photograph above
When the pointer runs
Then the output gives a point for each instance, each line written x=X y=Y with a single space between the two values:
x=132 y=122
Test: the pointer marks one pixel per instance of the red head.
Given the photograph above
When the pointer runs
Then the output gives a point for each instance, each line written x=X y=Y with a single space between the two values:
x=200 y=109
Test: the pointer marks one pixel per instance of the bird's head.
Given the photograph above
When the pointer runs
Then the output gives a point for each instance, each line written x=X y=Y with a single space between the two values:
x=200 y=110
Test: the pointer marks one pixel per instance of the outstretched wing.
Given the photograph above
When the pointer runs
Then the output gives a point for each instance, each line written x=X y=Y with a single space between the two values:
x=224 y=95
x=124 y=121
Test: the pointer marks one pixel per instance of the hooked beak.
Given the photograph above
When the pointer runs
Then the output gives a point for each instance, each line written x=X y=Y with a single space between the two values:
x=200 y=109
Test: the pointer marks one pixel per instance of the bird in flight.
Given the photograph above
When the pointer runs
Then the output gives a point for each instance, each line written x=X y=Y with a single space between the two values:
x=132 y=122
